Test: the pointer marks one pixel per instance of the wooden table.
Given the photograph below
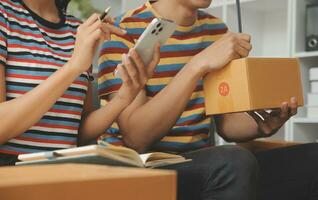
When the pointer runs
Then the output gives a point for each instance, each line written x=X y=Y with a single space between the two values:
x=79 y=182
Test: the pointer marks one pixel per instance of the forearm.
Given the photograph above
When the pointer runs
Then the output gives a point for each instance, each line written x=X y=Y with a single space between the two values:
x=153 y=120
x=18 y=115
x=96 y=122
x=237 y=127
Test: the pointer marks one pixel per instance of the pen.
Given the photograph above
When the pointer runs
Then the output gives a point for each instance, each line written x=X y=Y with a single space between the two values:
x=104 y=14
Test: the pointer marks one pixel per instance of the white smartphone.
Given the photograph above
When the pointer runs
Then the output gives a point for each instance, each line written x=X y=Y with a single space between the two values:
x=159 y=30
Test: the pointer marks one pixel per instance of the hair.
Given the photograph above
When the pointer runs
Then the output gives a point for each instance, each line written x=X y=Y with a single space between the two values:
x=62 y=5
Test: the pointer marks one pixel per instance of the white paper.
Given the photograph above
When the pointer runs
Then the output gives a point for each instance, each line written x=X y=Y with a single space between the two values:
x=144 y=157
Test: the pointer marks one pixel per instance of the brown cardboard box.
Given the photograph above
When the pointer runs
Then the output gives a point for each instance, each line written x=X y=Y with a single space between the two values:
x=253 y=83
x=85 y=182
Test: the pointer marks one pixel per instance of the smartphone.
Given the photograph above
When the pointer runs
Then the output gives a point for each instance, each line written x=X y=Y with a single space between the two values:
x=159 y=30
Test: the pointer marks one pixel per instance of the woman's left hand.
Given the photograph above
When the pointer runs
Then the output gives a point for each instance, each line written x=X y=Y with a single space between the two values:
x=270 y=122
x=135 y=74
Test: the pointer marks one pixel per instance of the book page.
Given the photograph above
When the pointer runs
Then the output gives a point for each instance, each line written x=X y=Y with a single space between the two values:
x=144 y=157
x=159 y=156
x=162 y=156
x=63 y=152
x=107 y=150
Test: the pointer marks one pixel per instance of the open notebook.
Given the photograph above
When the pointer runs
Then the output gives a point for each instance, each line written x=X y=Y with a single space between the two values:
x=103 y=153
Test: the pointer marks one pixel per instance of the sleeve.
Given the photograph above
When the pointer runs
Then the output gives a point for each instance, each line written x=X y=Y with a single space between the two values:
x=3 y=37
x=110 y=56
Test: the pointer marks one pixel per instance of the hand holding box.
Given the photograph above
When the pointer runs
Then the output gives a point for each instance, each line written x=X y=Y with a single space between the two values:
x=252 y=84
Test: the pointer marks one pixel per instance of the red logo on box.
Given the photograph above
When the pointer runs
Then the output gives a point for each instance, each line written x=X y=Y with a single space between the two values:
x=224 y=89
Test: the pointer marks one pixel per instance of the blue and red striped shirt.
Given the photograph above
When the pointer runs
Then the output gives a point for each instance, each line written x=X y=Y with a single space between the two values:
x=192 y=129
x=31 y=50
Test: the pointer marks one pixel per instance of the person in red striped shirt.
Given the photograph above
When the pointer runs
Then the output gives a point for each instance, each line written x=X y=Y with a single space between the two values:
x=45 y=92
x=169 y=114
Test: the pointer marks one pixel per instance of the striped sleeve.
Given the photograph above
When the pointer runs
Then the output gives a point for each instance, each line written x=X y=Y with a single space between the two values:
x=110 y=56
x=3 y=37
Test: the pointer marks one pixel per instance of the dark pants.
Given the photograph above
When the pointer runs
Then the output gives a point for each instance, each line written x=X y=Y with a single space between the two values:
x=232 y=173
x=289 y=173
x=218 y=173
x=7 y=160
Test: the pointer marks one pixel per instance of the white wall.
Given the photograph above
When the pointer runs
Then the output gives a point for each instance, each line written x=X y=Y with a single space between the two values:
x=115 y=4
x=118 y=6
x=131 y=4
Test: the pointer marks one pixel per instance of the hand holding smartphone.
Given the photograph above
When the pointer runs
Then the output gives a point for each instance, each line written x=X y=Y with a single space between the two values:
x=159 y=30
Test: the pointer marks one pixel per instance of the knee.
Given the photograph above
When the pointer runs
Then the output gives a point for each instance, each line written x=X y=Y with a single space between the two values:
x=240 y=161
x=236 y=168
x=311 y=147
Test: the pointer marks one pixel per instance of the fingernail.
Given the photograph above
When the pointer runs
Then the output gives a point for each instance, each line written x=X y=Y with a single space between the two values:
x=293 y=99
x=128 y=57
x=123 y=56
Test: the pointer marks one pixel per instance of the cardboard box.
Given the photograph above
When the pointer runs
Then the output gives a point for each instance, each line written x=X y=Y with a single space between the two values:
x=253 y=83
x=82 y=182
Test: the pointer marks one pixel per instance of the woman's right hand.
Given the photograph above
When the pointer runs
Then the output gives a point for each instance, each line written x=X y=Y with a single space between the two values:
x=89 y=35
x=230 y=47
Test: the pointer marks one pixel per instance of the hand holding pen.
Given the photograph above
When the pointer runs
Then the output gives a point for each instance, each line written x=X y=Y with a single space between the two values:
x=95 y=30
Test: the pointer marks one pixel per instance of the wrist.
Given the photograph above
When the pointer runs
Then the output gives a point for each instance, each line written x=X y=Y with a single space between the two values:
x=121 y=99
x=197 y=68
x=72 y=68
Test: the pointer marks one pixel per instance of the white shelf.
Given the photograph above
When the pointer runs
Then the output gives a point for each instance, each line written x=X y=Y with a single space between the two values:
x=307 y=54
x=305 y=120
